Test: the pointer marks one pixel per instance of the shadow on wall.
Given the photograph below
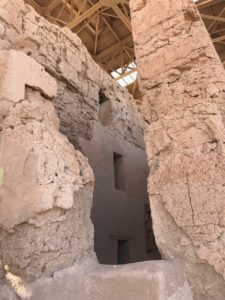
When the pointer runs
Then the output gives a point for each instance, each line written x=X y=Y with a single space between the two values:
x=105 y=110
x=120 y=213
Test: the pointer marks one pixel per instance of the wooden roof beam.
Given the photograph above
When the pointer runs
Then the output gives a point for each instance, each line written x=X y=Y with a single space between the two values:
x=97 y=34
x=123 y=18
x=126 y=74
x=114 y=47
x=86 y=24
x=219 y=39
x=207 y=3
x=51 y=6
x=92 y=10
x=121 y=44
x=215 y=18
x=85 y=15
x=212 y=26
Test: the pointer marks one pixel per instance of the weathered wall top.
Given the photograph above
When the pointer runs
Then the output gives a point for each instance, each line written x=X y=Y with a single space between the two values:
x=17 y=71
x=80 y=79
x=46 y=185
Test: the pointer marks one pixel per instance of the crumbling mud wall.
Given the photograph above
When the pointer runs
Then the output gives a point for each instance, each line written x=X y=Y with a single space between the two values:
x=81 y=82
x=46 y=185
x=183 y=83
x=86 y=95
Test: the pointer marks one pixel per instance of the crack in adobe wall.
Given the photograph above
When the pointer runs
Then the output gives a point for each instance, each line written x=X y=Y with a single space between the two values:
x=174 y=242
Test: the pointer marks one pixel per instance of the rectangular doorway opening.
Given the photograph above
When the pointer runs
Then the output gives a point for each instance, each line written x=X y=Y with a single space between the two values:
x=122 y=252
x=118 y=172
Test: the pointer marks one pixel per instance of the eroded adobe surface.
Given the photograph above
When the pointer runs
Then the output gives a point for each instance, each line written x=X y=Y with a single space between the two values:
x=46 y=185
x=52 y=229
x=79 y=78
x=183 y=82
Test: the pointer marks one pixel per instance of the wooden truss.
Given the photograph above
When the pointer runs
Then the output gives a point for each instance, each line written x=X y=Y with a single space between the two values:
x=104 y=27
x=213 y=15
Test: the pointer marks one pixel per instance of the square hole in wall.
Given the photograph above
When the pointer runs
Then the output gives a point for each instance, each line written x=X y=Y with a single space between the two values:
x=122 y=252
x=105 y=110
x=119 y=180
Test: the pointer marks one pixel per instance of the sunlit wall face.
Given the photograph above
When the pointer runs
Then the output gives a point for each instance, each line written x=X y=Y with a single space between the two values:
x=131 y=76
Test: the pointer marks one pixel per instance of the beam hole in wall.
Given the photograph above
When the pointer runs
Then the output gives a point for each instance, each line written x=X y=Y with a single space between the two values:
x=105 y=110
x=119 y=180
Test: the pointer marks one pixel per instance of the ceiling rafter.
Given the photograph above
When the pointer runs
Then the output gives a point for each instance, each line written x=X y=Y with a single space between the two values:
x=97 y=34
x=92 y=10
x=51 y=6
x=207 y=3
x=212 y=26
x=105 y=28
x=123 y=17
x=214 y=18
x=115 y=46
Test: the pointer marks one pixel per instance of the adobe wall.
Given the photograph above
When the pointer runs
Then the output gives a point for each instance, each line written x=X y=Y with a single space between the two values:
x=79 y=78
x=80 y=81
x=44 y=180
x=183 y=82
x=118 y=214
x=46 y=184
x=81 y=84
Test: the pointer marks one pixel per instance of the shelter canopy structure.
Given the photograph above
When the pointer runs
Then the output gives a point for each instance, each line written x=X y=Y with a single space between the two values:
x=104 y=27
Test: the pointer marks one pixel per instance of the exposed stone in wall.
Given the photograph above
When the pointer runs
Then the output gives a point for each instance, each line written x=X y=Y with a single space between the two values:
x=183 y=82
x=46 y=185
x=79 y=78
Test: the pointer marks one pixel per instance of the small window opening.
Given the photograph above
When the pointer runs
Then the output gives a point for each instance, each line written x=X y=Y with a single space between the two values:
x=122 y=252
x=105 y=110
x=118 y=172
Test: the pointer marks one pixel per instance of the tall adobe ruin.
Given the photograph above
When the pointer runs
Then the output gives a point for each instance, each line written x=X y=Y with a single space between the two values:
x=51 y=113
x=183 y=79
x=67 y=129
